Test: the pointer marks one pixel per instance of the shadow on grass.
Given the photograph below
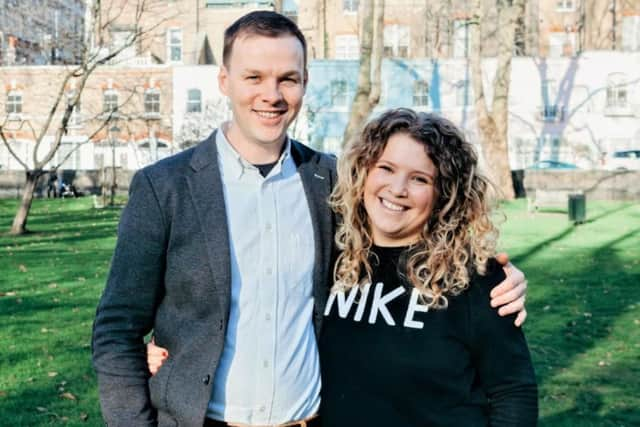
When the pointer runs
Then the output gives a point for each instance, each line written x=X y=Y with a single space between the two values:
x=565 y=233
x=582 y=296
x=586 y=414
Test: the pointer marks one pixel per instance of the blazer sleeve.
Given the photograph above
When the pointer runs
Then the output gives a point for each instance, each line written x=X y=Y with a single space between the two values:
x=126 y=311
x=501 y=357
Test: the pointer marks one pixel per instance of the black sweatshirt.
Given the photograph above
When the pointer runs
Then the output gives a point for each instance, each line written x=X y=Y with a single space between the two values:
x=387 y=362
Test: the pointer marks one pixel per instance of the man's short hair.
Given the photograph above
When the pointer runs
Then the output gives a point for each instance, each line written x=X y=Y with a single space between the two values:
x=261 y=23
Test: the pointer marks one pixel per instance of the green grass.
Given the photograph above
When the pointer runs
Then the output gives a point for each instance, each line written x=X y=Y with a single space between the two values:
x=583 y=326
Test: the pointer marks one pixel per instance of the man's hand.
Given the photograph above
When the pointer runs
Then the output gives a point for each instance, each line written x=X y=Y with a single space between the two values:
x=156 y=356
x=511 y=293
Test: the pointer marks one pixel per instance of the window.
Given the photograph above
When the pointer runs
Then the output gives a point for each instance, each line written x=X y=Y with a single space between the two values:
x=152 y=102
x=396 y=41
x=350 y=6
x=617 y=91
x=174 y=45
x=194 y=101
x=460 y=39
x=347 y=47
x=565 y=5
x=339 y=93
x=420 y=93
x=110 y=101
x=290 y=9
x=631 y=33
x=14 y=103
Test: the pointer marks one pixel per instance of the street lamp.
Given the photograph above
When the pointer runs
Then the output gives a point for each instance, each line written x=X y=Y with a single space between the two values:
x=113 y=133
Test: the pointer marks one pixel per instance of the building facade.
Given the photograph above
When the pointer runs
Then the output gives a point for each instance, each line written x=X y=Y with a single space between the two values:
x=574 y=109
x=123 y=119
x=37 y=32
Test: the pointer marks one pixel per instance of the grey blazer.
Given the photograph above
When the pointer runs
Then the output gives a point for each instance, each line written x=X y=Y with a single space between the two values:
x=171 y=273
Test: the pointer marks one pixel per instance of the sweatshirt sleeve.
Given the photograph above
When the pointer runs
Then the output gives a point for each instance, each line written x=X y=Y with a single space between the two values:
x=501 y=357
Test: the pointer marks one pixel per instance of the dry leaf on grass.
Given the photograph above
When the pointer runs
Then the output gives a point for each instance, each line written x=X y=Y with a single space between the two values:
x=69 y=396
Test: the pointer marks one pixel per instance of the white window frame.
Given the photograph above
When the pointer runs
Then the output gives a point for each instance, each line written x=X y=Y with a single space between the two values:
x=109 y=93
x=14 y=104
x=347 y=46
x=153 y=103
x=350 y=7
x=174 y=44
x=617 y=94
x=193 y=102
x=565 y=5
x=420 y=93
x=396 y=41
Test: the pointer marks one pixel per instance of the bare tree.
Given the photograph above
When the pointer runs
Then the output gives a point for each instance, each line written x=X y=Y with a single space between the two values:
x=197 y=126
x=371 y=46
x=492 y=123
x=103 y=18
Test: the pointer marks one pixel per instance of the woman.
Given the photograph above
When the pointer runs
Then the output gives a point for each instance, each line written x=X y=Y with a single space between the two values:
x=409 y=338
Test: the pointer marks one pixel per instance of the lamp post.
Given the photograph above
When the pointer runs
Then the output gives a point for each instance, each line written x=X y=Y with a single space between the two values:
x=113 y=133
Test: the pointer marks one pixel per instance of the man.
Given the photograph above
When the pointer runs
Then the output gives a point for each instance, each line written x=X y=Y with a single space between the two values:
x=224 y=251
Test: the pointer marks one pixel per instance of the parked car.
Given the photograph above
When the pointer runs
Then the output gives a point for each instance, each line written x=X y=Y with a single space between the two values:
x=552 y=164
x=623 y=160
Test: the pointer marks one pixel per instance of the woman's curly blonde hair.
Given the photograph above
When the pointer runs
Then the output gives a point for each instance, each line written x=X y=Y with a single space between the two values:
x=458 y=237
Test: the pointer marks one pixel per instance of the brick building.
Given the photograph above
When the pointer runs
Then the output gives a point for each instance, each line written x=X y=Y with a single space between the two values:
x=36 y=32
x=138 y=100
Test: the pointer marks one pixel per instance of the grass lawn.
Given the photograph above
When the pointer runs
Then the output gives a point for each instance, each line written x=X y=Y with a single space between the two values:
x=583 y=326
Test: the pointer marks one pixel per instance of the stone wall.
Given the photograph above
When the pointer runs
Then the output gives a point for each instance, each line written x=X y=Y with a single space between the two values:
x=596 y=185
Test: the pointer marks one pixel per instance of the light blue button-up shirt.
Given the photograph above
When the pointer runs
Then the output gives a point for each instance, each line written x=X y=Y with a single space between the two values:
x=269 y=371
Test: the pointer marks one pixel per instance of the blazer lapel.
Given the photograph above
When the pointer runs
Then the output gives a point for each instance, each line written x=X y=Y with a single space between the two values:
x=317 y=183
x=205 y=185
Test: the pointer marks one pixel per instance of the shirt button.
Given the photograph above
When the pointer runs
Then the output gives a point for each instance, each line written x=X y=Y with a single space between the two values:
x=263 y=408
x=266 y=363
x=269 y=271
x=268 y=227
x=267 y=316
x=206 y=379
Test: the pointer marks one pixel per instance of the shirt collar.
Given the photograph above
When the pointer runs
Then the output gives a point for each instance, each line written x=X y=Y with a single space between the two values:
x=234 y=165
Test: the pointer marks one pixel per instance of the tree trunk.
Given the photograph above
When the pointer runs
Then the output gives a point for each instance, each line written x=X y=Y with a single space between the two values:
x=19 y=225
x=368 y=91
x=493 y=124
